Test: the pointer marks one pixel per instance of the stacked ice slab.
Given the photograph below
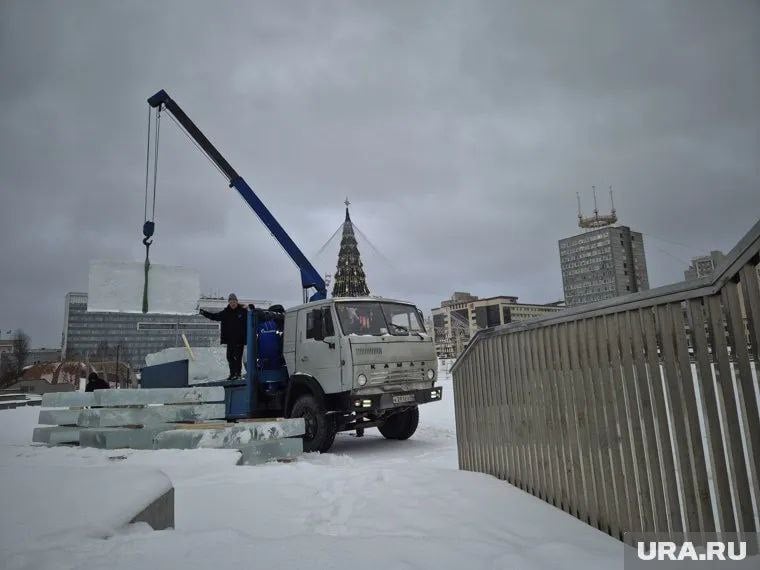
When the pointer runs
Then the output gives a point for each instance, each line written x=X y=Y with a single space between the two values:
x=163 y=418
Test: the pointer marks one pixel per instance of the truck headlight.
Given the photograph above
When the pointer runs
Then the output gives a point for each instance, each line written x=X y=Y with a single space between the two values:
x=362 y=379
x=431 y=374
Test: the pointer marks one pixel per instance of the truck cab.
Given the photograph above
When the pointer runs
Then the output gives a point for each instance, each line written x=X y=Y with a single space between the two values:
x=355 y=363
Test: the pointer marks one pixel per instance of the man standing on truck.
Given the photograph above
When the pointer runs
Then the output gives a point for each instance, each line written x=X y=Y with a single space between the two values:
x=234 y=318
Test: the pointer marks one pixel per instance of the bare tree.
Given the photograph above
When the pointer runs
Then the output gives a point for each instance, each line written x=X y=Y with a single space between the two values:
x=20 y=352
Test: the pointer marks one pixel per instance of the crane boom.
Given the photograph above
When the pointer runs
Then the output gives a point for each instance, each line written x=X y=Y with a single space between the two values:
x=310 y=277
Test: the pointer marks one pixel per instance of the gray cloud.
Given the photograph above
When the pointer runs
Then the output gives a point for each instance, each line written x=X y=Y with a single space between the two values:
x=460 y=131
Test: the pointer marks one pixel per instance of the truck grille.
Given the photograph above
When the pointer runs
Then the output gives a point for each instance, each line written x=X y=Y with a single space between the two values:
x=382 y=376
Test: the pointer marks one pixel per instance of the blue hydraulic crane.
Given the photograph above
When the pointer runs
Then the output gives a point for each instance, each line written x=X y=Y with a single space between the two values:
x=310 y=277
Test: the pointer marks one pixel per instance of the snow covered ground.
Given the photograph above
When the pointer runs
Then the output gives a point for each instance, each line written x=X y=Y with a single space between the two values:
x=369 y=504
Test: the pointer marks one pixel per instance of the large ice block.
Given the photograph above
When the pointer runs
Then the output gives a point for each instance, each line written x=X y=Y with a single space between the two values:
x=259 y=452
x=209 y=365
x=151 y=415
x=116 y=438
x=117 y=286
x=230 y=436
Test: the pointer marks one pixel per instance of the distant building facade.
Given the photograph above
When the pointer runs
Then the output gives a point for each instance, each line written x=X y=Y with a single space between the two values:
x=458 y=318
x=43 y=355
x=131 y=336
x=703 y=266
x=602 y=263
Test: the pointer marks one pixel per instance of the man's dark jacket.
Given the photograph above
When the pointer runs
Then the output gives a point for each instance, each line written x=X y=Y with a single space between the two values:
x=233 y=321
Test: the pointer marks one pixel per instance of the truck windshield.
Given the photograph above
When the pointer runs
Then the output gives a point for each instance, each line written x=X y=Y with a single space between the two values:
x=373 y=318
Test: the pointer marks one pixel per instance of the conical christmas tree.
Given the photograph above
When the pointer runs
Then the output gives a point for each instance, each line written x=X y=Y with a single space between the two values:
x=349 y=277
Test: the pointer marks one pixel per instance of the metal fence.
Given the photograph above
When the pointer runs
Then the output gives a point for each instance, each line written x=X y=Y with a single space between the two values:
x=638 y=413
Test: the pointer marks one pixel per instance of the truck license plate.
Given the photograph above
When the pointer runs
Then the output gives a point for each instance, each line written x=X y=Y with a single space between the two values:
x=403 y=399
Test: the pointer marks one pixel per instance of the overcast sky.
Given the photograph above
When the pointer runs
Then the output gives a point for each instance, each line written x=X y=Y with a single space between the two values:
x=460 y=132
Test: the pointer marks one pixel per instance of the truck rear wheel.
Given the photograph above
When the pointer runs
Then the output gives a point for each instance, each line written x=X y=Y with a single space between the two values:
x=401 y=425
x=320 y=428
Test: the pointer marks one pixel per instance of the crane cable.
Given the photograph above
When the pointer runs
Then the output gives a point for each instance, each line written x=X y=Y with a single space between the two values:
x=149 y=225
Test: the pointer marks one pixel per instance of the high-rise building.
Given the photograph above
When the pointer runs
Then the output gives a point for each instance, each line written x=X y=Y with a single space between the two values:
x=134 y=335
x=604 y=261
x=703 y=266
x=457 y=319
x=349 y=279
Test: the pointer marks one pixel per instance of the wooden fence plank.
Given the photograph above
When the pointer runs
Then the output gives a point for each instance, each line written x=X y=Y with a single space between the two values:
x=662 y=430
x=751 y=295
x=691 y=415
x=561 y=425
x=623 y=406
x=745 y=385
x=651 y=448
x=539 y=412
x=679 y=431
x=715 y=449
x=637 y=433
x=735 y=458
x=580 y=489
x=583 y=411
x=606 y=428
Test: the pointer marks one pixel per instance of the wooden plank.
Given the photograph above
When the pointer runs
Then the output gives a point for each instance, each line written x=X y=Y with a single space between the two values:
x=673 y=502
x=745 y=385
x=517 y=454
x=628 y=495
x=735 y=458
x=504 y=407
x=651 y=445
x=526 y=426
x=498 y=407
x=510 y=418
x=481 y=415
x=525 y=472
x=638 y=441
x=490 y=405
x=605 y=429
x=561 y=429
x=544 y=404
x=466 y=390
x=539 y=433
x=470 y=406
x=691 y=417
x=679 y=431
x=488 y=408
x=458 y=420
x=553 y=428
x=583 y=399
x=751 y=294
x=715 y=449
x=579 y=489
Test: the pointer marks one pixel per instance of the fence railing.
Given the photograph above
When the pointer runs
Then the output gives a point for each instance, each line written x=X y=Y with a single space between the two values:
x=638 y=413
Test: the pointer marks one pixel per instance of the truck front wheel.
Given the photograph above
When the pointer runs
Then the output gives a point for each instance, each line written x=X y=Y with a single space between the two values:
x=320 y=428
x=401 y=425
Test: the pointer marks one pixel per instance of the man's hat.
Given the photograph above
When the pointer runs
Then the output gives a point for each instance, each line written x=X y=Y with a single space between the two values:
x=232 y=297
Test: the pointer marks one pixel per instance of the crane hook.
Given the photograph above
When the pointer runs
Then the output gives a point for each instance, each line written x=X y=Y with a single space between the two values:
x=148 y=229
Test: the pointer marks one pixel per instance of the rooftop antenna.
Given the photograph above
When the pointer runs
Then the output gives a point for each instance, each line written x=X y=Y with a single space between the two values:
x=612 y=201
x=596 y=221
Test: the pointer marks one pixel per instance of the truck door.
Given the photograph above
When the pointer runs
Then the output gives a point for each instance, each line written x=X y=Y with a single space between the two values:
x=318 y=350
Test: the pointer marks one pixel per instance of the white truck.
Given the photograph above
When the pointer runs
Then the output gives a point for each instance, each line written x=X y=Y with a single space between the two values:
x=356 y=363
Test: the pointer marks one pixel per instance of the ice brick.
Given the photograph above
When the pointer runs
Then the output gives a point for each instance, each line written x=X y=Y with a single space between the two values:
x=117 y=286
x=151 y=415
x=262 y=451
